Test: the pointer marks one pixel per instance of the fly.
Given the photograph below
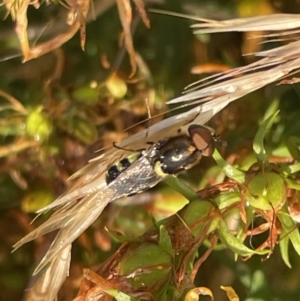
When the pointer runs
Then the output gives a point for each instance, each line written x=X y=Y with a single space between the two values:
x=168 y=156
x=81 y=206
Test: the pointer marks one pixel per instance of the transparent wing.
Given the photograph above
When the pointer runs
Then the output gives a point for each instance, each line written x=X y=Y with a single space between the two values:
x=139 y=177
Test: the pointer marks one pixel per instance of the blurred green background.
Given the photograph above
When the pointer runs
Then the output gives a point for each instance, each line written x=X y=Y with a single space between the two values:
x=58 y=109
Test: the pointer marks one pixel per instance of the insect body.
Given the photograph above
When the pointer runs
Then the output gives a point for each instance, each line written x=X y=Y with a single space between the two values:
x=168 y=156
x=80 y=207
x=180 y=153
x=114 y=170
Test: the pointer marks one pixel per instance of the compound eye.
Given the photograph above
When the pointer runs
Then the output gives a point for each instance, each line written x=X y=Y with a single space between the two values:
x=203 y=139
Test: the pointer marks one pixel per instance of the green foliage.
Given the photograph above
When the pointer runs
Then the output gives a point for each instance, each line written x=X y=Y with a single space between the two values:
x=56 y=110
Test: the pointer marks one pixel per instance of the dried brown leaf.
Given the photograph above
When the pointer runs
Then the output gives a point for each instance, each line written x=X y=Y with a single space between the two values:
x=278 y=63
x=258 y=23
x=209 y=68
x=78 y=11
x=17 y=146
x=15 y=104
x=21 y=28
x=125 y=14
x=292 y=81
x=48 y=284
x=193 y=295
x=78 y=14
x=231 y=294
x=141 y=9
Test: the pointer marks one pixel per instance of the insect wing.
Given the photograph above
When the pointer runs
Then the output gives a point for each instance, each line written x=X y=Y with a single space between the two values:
x=138 y=177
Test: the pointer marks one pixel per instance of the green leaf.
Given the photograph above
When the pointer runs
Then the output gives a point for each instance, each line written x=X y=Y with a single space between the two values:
x=38 y=125
x=195 y=211
x=272 y=109
x=291 y=169
x=120 y=237
x=293 y=145
x=155 y=264
x=292 y=184
x=182 y=188
x=284 y=248
x=36 y=199
x=82 y=129
x=295 y=239
x=259 y=281
x=86 y=94
x=120 y=296
x=289 y=228
x=229 y=170
x=226 y=199
x=258 y=143
x=234 y=244
x=165 y=241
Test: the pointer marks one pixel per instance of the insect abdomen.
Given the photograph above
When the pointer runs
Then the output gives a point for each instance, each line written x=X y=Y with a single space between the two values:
x=115 y=170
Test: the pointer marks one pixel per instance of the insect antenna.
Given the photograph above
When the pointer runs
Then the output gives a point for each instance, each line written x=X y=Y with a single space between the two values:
x=127 y=149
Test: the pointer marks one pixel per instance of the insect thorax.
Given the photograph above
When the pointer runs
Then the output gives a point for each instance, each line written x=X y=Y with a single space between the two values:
x=175 y=155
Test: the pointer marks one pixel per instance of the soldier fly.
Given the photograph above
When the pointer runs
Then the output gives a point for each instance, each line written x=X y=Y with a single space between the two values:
x=80 y=207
